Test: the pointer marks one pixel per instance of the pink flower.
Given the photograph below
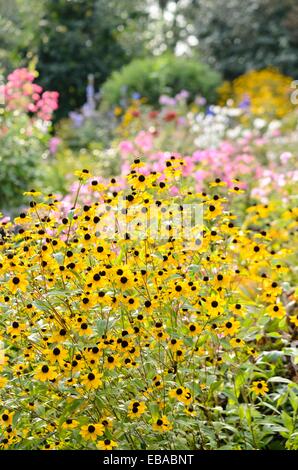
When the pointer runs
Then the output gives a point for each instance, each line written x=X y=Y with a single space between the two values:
x=22 y=94
x=285 y=157
x=144 y=140
x=188 y=166
x=53 y=144
x=125 y=168
x=166 y=100
x=174 y=191
x=183 y=95
x=200 y=175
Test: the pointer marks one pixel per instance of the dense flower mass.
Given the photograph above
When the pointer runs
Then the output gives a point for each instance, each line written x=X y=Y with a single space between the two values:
x=263 y=92
x=120 y=329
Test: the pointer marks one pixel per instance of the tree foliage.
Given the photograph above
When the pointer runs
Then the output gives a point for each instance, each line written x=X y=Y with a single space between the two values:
x=239 y=35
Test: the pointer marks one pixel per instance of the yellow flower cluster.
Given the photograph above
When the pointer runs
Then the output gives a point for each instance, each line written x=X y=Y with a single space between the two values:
x=130 y=337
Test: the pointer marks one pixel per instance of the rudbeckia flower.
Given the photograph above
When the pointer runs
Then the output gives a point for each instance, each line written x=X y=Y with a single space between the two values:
x=92 y=380
x=90 y=432
x=107 y=444
x=259 y=387
x=162 y=424
x=45 y=372
x=136 y=409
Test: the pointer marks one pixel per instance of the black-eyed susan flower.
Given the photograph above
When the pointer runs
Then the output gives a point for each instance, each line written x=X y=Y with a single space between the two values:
x=162 y=424
x=107 y=444
x=230 y=327
x=112 y=361
x=276 y=310
x=237 y=342
x=45 y=372
x=90 y=432
x=181 y=394
x=6 y=418
x=92 y=380
x=18 y=281
x=57 y=355
x=175 y=344
x=194 y=329
x=136 y=409
x=70 y=423
x=16 y=328
x=83 y=175
x=214 y=305
x=294 y=319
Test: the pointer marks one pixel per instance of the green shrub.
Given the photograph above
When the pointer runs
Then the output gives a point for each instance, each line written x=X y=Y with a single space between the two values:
x=154 y=76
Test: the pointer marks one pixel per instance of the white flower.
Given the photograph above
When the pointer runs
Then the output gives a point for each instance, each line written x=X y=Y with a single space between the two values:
x=259 y=123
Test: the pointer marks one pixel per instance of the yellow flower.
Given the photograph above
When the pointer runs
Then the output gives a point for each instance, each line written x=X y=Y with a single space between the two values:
x=237 y=343
x=136 y=409
x=162 y=424
x=107 y=444
x=175 y=344
x=18 y=282
x=45 y=372
x=70 y=424
x=266 y=89
x=230 y=327
x=32 y=193
x=117 y=111
x=182 y=394
x=16 y=328
x=214 y=305
x=92 y=380
x=57 y=354
x=276 y=310
x=6 y=418
x=3 y=382
x=112 y=361
x=194 y=329
x=83 y=175
x=294 y=319
x=259 y=387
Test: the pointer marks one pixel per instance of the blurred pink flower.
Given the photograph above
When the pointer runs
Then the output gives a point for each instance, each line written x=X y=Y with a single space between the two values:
x=174 y=191
x=125 y=167
x=285 y=157
x=144 y=140
x=53 y=144
x=21 y=93
x=126 y=148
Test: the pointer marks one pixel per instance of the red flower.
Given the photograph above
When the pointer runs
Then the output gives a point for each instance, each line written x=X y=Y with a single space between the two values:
x=153 y=114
